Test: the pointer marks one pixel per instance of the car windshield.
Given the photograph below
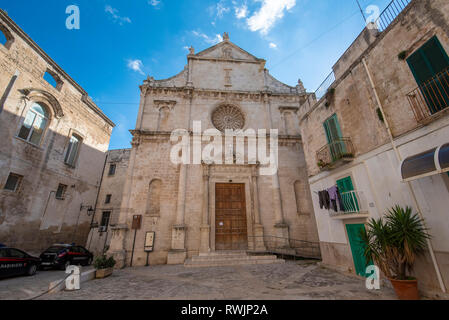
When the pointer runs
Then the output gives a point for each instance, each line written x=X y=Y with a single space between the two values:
x=55 y=249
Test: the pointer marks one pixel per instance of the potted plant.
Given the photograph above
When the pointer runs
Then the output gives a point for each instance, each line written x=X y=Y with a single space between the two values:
x=104 y=266
x=321 y=164
x=393 y=243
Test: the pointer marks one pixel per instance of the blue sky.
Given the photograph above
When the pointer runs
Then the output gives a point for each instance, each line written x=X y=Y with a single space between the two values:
x=120 y=42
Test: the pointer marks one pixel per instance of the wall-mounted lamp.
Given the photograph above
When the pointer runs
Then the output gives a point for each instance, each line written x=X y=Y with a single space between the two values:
x=90 y=210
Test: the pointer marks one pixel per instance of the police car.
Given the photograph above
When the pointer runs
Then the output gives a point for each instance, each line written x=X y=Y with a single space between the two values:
x=63 y=255
x=15 y=262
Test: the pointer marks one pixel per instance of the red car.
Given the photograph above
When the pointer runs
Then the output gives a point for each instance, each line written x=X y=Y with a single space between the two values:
x=15 y=262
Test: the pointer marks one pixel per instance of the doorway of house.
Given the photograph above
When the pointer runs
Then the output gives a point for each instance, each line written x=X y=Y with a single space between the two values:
x=230 y=217
x=357 y=247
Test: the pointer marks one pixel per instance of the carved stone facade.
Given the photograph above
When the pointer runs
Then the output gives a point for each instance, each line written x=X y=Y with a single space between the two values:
x=223 y=87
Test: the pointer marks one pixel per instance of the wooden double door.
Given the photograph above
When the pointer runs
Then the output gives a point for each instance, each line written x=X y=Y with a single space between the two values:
x=231 y=231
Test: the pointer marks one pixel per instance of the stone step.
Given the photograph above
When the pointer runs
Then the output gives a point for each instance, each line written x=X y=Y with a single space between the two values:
x=230 y=258
x=197 y=264
x=233 y=257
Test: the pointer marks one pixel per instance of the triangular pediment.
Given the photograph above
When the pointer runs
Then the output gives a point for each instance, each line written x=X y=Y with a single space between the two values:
x=227 y=50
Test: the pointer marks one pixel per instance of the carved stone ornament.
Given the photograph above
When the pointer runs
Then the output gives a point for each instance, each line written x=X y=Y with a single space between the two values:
x=228 y=117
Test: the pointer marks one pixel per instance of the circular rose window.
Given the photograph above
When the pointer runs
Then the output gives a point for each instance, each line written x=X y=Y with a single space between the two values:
x=228 y=117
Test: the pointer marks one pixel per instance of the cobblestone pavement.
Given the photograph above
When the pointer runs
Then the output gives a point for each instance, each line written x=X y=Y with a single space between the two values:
x=291 y=281
x=26 y=287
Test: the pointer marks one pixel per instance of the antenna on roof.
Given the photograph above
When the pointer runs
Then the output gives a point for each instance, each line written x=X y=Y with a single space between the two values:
x=361 y=11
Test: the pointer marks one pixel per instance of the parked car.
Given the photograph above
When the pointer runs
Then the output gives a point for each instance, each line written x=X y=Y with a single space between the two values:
x=63 y=255
x=15 y=262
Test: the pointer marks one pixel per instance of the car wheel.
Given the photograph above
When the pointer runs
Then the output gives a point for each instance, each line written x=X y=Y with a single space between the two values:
x=32 y=270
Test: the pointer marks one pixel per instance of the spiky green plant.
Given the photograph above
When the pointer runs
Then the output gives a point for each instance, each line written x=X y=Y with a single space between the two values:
x=394 y=241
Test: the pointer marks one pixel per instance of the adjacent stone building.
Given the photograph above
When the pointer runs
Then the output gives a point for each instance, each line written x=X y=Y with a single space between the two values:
x=201 y=207
x=52 y=150
x=371 y=132
x=109 y=201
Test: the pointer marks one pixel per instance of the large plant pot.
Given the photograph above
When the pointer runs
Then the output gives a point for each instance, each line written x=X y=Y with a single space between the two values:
x=406 y=289
x=103 y=273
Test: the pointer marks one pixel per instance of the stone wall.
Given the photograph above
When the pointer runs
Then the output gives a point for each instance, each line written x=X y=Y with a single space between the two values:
x=374 y=169
x=32 y=218
x=113 y=185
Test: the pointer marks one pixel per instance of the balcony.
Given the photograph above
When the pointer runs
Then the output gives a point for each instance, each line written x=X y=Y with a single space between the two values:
x=335 y=154
x=354 y=206
x=431 y=99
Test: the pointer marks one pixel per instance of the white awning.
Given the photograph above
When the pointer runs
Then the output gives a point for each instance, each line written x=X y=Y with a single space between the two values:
x=428 y=163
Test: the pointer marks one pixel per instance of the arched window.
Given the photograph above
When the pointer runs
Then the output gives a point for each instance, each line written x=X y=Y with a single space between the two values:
x=154 y=198
x=6 y=38
x=53 y=79
x=73 y=150
x=3 y=38
x=35 y=124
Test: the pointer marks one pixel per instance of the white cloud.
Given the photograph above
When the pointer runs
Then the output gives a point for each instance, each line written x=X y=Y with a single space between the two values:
x=241 y=12
x=221 y=9
x=114 y=14
x=270 y=12
x=136 y=65
x=210 y=40
x=273 y=45
x=154 y=3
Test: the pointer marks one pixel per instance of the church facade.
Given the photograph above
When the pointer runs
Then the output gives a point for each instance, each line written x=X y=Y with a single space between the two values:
x=200 y=206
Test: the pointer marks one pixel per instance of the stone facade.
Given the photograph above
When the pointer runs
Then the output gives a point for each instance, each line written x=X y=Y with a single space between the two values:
x=380 y=143
x=109 y=200
x=221 y=87
x=47 y=181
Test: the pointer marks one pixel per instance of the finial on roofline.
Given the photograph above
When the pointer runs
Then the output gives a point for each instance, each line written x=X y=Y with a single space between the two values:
x=225 y=36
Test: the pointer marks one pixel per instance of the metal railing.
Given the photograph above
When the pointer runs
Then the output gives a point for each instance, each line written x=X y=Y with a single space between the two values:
x=390 y=13
x=335 y=151
x=291 y=247
x=353 y=202
x=324 y=87
x=430 y=98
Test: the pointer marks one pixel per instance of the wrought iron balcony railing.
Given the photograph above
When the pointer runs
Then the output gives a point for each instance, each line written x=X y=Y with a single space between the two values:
x=354 y=203
x=391 y=12
x=431 y=98
x=340 y=150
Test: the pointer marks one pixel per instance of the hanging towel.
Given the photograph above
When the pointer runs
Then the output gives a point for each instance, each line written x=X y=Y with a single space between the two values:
x=333 y=195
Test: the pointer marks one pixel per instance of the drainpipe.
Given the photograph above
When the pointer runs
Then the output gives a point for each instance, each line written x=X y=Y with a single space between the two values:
x=412 y=192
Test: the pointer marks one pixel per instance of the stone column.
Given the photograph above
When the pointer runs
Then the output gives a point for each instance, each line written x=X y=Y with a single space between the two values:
x=178 y=253
x=205 y=226
x=259 y=243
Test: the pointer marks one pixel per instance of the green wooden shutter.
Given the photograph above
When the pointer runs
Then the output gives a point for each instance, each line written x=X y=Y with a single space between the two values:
x=350 y=201
x=435 y=54
x=332 y=128
x=357 y=247
x=428 y=61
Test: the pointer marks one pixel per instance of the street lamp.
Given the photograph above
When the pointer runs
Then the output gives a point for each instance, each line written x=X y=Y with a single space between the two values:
x=90 y=210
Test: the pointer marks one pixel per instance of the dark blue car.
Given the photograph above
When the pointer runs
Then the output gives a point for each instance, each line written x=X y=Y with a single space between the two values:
x=15 y=262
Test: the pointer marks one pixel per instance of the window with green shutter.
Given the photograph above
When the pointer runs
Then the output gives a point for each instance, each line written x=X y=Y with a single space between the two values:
x=334 y=137
x=429 y=65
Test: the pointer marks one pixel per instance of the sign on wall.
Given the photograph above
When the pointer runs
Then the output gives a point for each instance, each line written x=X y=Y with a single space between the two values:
x=149 y=241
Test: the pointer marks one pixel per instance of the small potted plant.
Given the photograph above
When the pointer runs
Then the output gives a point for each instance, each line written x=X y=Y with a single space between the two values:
x=321 y=164
x=104 y=266
x=393 y=243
